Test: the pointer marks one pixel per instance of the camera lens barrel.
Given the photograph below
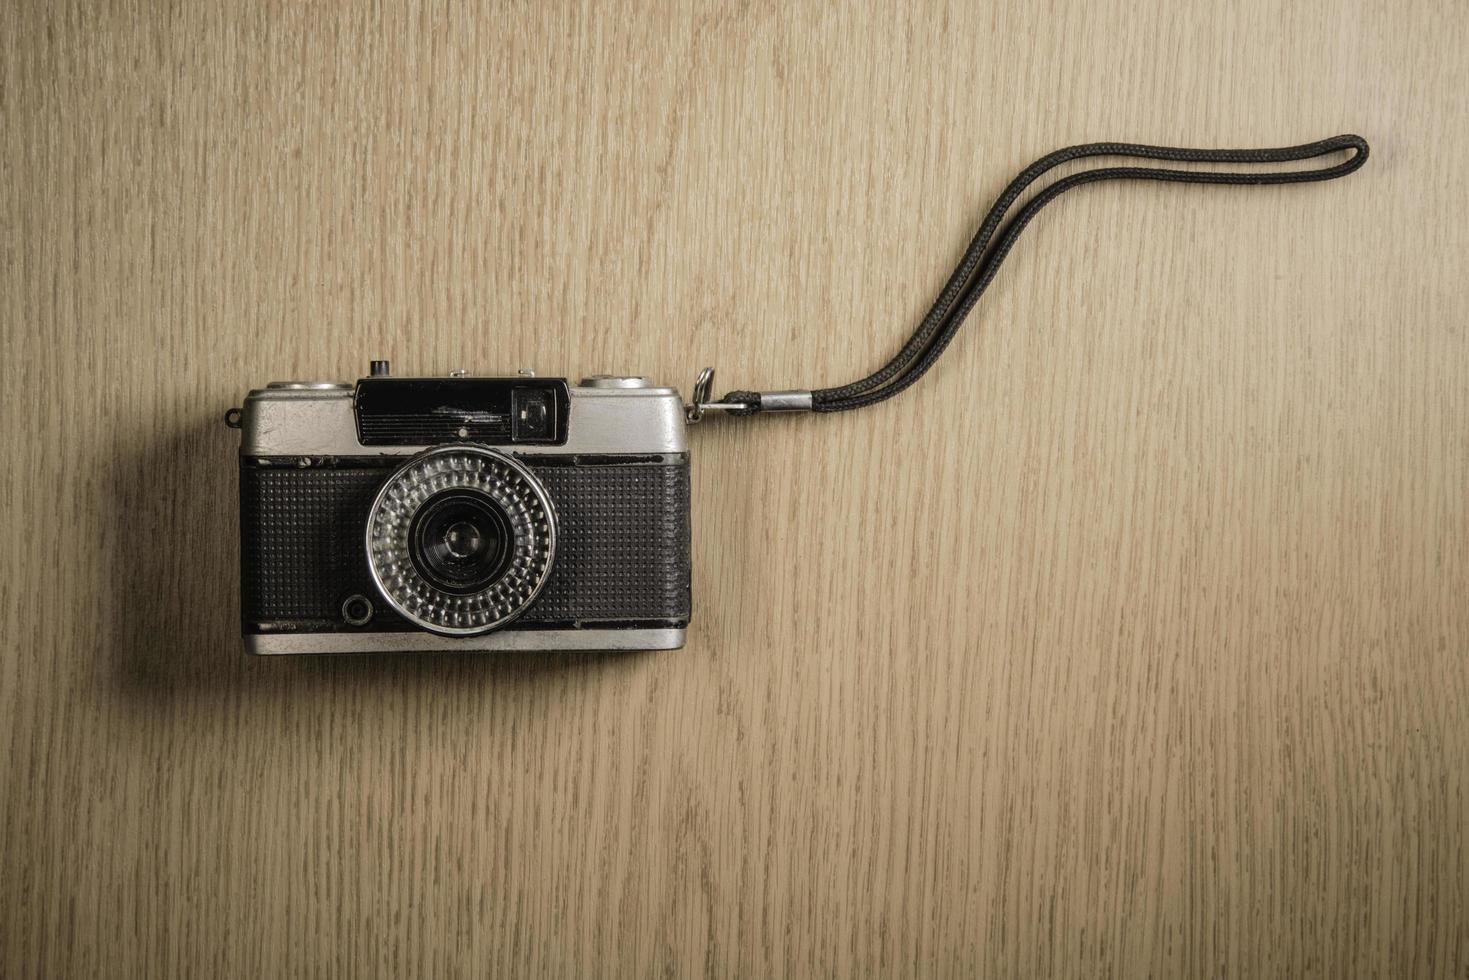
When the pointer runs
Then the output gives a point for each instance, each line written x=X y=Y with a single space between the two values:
x=461 y=539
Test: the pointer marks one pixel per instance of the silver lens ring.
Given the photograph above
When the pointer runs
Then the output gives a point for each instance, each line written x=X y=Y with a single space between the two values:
x=512 y=488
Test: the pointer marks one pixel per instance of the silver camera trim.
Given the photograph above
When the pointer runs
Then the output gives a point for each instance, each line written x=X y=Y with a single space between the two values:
x=525 y=641
x=320 y=421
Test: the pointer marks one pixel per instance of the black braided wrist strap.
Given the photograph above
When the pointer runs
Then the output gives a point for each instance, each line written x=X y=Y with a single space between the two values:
x=991 y=244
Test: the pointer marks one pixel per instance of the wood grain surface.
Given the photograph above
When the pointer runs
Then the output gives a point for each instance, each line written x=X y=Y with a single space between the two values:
x=1132 y=642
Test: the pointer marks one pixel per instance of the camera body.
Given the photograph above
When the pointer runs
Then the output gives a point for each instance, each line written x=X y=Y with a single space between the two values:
x=496 y=513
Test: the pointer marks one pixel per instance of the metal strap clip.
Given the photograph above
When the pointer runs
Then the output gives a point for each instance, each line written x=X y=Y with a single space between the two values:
x=769 y=401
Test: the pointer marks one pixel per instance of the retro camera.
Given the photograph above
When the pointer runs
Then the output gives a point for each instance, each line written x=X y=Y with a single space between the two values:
x=499 y=513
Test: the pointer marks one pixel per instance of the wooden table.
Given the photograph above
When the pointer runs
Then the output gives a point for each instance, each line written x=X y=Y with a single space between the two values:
x=1132 y=641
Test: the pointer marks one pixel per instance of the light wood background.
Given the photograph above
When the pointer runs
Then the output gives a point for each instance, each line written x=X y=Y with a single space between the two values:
x=1132 y=642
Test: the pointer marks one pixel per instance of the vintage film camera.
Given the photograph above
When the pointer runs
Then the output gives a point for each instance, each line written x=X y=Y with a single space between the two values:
x=458 y=513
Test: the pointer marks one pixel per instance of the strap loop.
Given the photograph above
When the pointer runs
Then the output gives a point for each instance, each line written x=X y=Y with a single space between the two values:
x=991 y=245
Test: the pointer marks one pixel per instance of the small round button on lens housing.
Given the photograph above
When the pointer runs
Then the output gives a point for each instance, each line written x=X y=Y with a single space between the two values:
x=357 y=610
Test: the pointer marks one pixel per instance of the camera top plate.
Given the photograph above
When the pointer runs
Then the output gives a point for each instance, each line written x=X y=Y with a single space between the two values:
x=593 y=417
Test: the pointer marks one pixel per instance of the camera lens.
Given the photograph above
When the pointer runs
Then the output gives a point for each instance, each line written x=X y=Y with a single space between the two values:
x=463 y=540
x=460 y=541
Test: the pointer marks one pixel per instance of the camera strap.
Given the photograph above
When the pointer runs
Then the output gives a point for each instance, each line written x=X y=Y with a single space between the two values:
x=992 y=243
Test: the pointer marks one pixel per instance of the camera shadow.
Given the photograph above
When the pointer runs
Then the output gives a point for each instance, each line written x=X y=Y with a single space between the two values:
x=173 y=614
